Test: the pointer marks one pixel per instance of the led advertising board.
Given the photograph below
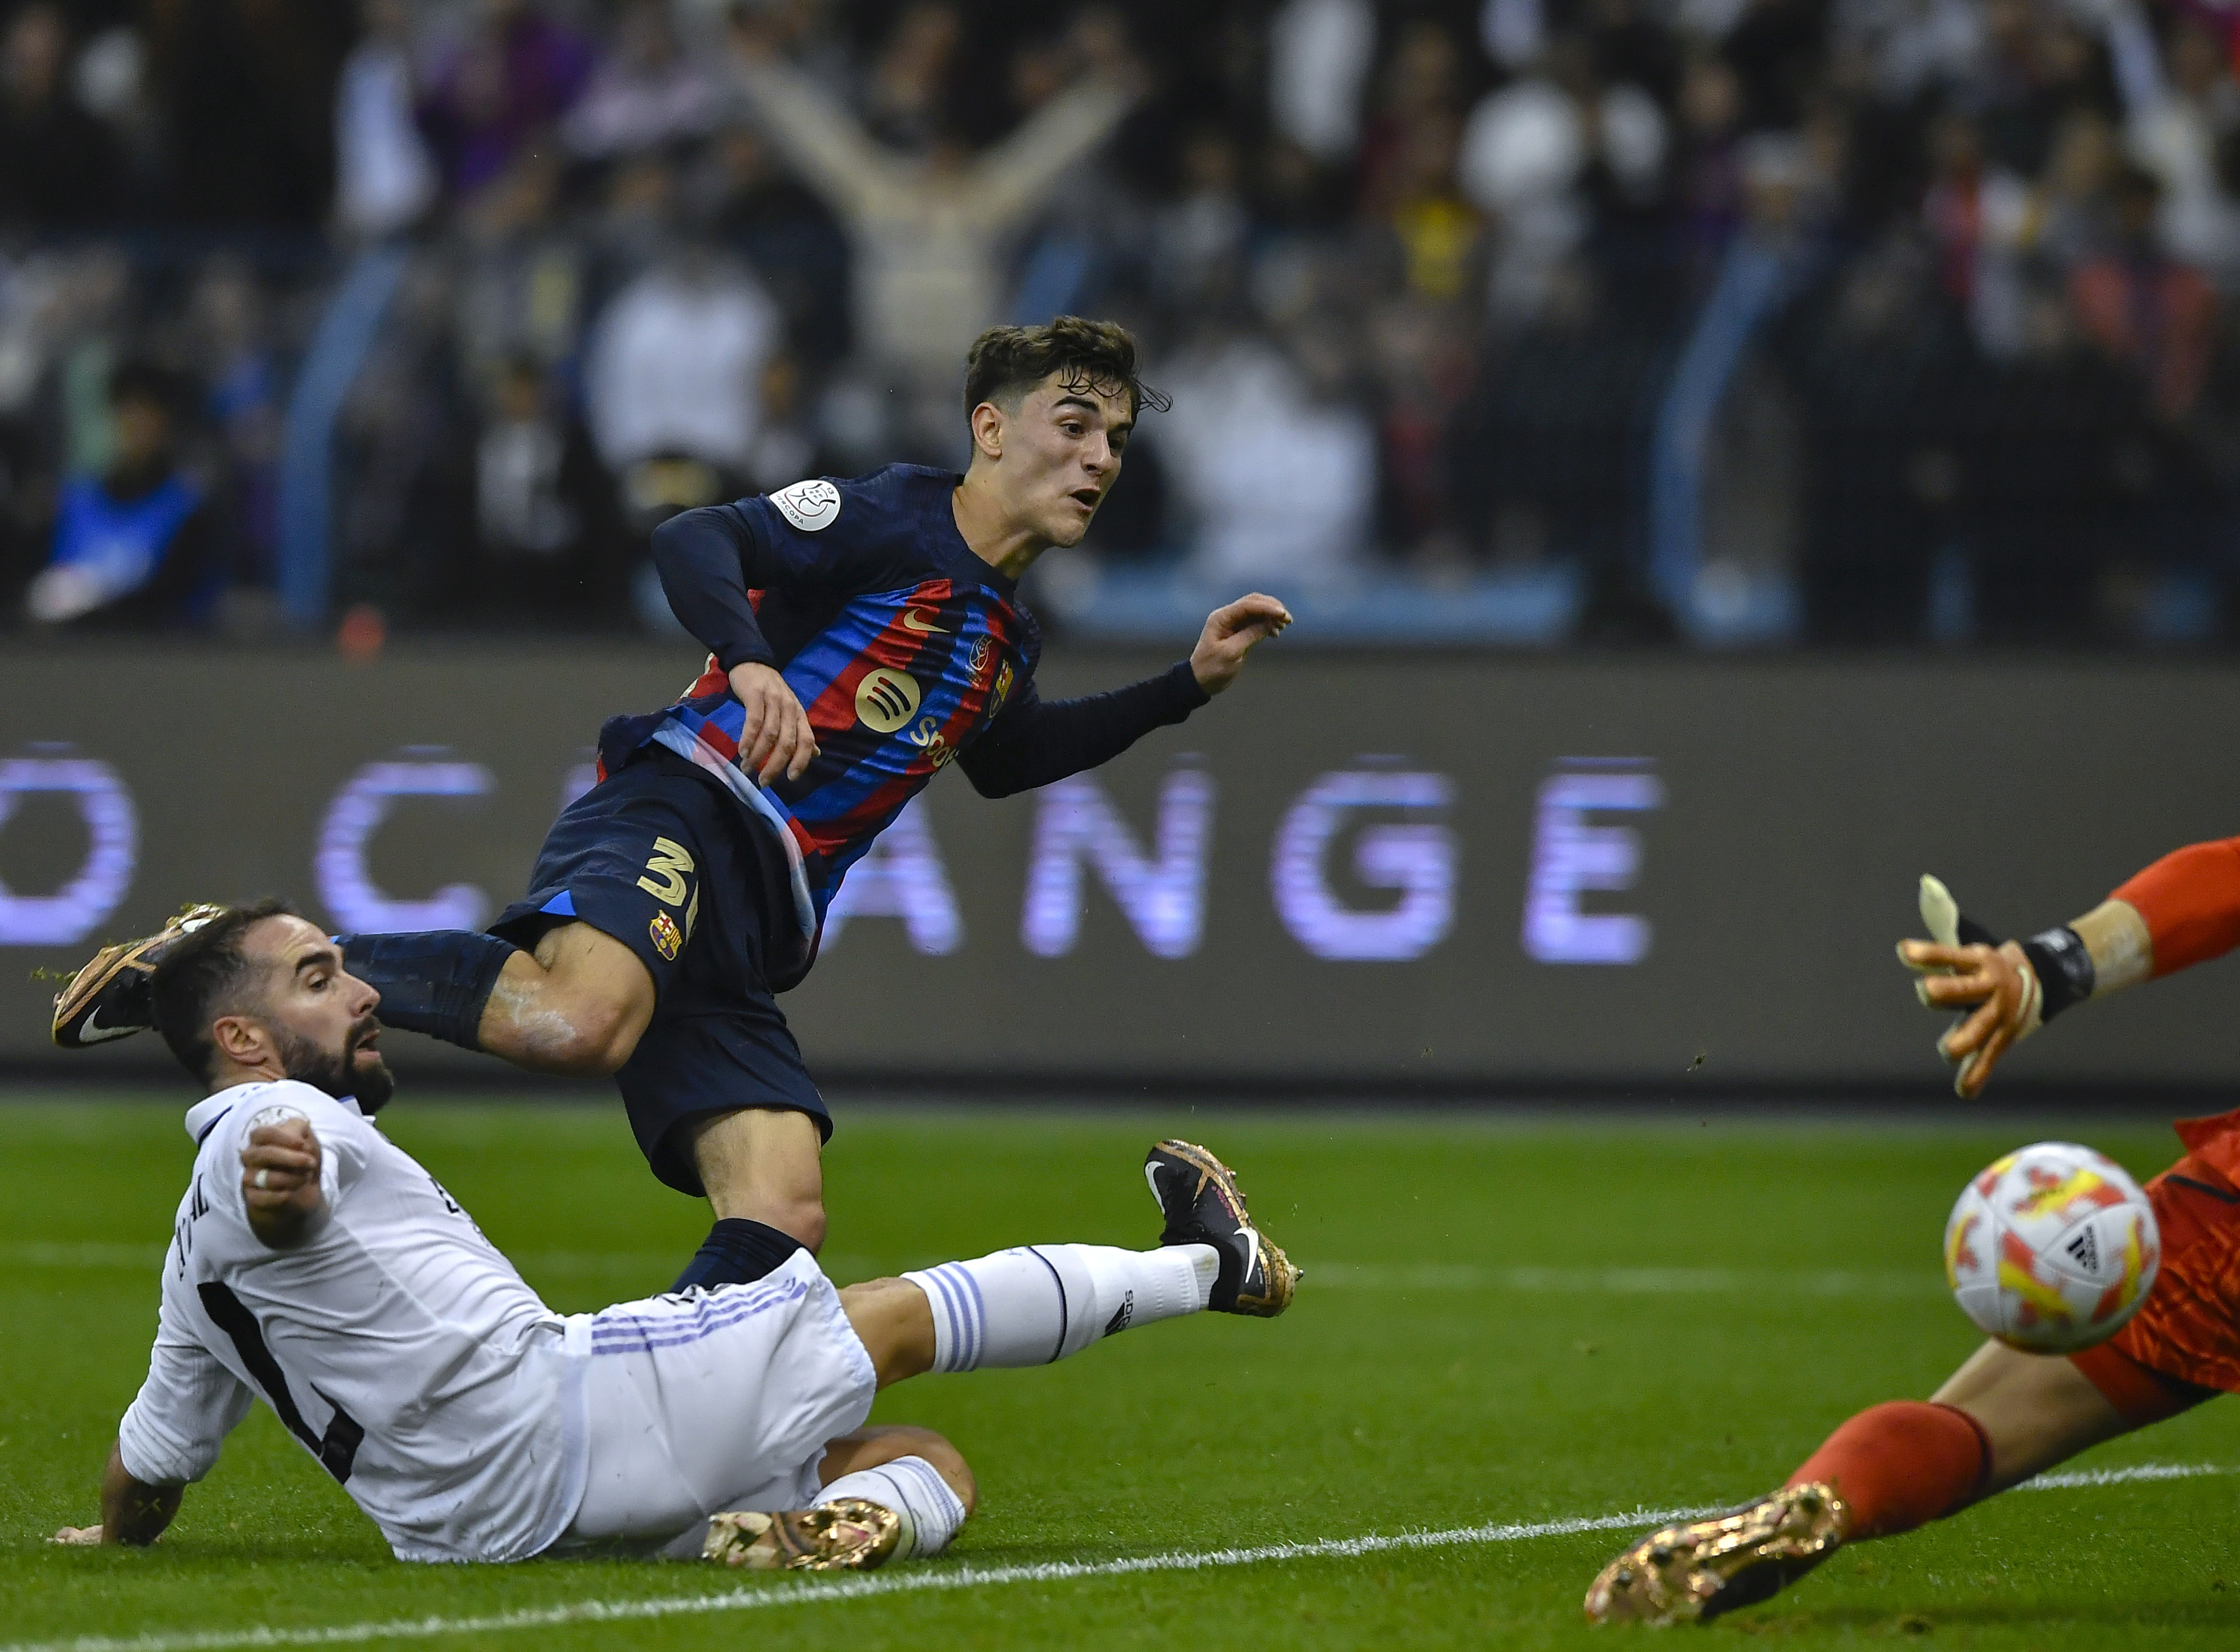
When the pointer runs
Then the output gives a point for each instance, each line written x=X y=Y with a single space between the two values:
x=1367 y=871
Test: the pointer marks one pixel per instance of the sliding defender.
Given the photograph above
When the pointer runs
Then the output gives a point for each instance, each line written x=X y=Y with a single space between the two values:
x=862 y=637
x=316 y=1265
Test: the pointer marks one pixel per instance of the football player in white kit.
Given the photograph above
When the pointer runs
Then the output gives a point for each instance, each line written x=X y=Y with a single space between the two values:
x=317 y=1265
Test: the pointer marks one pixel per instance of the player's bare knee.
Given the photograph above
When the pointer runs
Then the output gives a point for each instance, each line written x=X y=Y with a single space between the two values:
x=895 y=1323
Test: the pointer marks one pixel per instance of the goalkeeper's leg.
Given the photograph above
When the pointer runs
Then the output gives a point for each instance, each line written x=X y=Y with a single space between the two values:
x=2001 y=1417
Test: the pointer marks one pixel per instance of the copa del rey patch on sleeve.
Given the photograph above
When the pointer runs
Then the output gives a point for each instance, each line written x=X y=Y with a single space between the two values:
x=809 y=506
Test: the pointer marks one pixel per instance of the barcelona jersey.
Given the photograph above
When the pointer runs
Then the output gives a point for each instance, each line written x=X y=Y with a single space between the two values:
x=901 y=643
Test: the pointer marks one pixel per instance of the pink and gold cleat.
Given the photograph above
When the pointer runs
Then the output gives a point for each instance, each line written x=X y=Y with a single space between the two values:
x=852 y=1534
x=1696 y=1570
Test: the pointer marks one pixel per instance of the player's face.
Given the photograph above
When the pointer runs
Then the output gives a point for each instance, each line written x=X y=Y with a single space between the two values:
x=319 y=1014
x=1061 y=454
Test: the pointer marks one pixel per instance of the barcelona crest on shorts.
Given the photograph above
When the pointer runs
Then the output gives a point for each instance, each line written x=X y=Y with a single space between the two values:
x=667 y=940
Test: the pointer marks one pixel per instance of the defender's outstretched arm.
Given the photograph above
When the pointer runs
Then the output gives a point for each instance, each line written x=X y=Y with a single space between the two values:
x=132 y=1512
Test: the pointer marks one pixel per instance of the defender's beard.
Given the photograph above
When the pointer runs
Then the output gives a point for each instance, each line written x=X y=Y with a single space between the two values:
x=342 y=1075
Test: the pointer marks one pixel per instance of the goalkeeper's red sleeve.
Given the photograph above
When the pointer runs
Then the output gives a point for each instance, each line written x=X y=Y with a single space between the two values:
x=1902 y=1465
x=2190 y=899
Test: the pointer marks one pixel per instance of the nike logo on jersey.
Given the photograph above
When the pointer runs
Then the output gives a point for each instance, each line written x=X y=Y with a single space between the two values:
x=915 y=620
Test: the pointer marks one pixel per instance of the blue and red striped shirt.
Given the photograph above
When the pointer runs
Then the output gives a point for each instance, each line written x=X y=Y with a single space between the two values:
x=908 y=651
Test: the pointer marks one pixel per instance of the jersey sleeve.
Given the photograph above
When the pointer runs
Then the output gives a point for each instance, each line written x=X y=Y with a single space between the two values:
x=1033 y=742
x=173 y=1428
x=2191 y=900
x=710 y=558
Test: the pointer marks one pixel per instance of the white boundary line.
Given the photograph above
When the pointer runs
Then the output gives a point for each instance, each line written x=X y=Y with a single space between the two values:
x=965 y=1577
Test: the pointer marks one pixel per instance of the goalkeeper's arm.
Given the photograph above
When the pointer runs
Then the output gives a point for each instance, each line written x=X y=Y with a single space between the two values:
x=2183 y=911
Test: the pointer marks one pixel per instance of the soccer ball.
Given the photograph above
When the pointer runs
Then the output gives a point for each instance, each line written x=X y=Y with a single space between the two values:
x=2051 y=1249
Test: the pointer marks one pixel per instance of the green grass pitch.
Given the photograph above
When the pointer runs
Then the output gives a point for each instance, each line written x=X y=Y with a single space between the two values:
x=1502 y=1324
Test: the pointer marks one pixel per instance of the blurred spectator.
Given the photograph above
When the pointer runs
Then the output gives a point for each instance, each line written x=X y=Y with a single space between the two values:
x=521 y=271
x=928 y=233
x=549 y=546
x=384 y=178
x=1319 y=53
x=1420 y=352
x=906 y=99
x=135 y=545
x=1553 y=419
x=1536 y=147
x=2151 y=312
x=647 y=93
x=2053 y=447
x=227 y=338
x=675 y=366
x=1933 y=286
x=1199 y=239
x=1275 y=471
x=1708 y=183
x=247 y=90
x=513 y=78
x=61 y=168
x=2180 y=135
x=746 y=202
x=1775 y=49
x=1876 y=365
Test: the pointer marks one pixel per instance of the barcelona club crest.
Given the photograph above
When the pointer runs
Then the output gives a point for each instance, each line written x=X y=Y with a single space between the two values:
x=666 y=939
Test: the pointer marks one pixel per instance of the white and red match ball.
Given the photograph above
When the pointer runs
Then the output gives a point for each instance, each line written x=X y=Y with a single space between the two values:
x=2052 y=1248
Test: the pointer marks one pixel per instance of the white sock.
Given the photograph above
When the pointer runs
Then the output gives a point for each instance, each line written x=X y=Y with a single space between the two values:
x=913 y=1489
x=1041 y=1303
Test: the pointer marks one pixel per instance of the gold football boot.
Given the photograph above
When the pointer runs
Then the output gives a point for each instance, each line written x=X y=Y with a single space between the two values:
x=1696 y=1570
x=851 y=1534
x=111 y=997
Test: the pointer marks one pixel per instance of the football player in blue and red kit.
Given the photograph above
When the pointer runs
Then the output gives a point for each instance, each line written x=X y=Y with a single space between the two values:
x=862 y=636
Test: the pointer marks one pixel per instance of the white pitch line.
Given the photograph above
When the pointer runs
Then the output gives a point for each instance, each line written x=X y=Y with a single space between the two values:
x=965 y=1577
x=2077 y=1479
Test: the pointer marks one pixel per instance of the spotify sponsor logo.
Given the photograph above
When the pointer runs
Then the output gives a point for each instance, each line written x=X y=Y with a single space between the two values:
x=886 y=699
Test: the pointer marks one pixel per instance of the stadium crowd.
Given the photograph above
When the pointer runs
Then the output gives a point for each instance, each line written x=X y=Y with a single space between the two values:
x=1917 y=312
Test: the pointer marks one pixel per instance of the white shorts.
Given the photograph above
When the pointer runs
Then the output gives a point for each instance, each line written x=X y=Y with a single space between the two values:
x=712 y=1400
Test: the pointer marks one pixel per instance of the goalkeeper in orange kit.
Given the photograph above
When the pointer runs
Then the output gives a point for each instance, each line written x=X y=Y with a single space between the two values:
x=2004 y=1415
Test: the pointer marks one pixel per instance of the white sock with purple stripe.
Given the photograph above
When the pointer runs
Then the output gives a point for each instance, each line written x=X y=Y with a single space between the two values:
x=1041 y=1303
x=911 y=1486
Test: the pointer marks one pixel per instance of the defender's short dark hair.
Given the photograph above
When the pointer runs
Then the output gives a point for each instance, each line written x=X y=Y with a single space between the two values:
x=201 y=978
x=1005 y=363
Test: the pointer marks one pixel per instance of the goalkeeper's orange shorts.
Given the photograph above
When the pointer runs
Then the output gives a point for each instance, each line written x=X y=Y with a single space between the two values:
x=2183 y=1346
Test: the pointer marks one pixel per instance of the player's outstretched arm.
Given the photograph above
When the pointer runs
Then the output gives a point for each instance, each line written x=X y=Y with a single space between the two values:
x=132 y=1510
x=2183 y=911
x=1034 y=741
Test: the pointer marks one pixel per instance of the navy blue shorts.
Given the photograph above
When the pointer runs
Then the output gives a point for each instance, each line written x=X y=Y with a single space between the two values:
x=663 y=860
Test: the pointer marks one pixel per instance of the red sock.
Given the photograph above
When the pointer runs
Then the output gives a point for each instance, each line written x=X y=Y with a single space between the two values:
x=1902 y=1465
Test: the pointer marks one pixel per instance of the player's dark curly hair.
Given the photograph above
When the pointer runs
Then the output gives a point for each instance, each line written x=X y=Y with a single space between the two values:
x=1005 y=363
x=202 y=978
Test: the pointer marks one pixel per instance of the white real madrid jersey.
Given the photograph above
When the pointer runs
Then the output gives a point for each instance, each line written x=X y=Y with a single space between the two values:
x=395 y=1343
